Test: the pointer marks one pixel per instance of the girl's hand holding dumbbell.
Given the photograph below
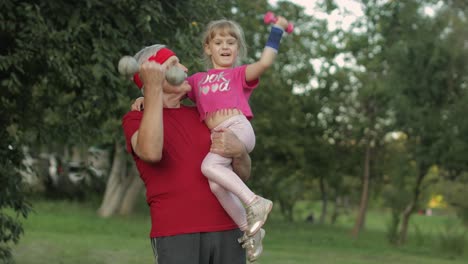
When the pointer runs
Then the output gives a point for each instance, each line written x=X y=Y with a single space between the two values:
x=270 y=18
x=282 y=22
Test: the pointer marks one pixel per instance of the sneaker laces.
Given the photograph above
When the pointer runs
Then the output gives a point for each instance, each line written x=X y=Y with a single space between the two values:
x=250 y=243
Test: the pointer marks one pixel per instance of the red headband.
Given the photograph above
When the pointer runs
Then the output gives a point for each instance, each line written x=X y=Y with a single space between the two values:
x=160 y=57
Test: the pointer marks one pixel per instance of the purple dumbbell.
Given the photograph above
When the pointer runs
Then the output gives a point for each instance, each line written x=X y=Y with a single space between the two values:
x=270 y=18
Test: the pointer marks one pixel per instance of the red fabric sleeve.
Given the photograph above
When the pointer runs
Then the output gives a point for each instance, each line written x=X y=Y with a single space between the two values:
x=131 y=123
x=191 y=93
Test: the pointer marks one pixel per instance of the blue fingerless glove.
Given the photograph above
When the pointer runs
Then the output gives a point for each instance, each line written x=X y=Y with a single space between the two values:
x=275 y=37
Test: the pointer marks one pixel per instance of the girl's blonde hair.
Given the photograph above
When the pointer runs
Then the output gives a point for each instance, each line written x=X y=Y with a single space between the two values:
x=224 y=27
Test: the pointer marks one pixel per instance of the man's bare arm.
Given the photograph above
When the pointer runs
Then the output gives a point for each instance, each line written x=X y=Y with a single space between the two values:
x=147 y=142
x=242 y=166
x=226 y=144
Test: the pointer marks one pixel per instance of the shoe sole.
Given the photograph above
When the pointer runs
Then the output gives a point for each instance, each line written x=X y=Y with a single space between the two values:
x=254 y=258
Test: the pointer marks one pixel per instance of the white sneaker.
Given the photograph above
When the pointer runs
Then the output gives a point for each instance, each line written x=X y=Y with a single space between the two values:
x=253 y=244
x=257 y=214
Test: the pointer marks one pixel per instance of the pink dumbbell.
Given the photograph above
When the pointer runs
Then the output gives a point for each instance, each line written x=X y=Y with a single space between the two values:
x=270 y=18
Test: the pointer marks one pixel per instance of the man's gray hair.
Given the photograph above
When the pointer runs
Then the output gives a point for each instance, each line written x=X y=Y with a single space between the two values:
x=144 y=54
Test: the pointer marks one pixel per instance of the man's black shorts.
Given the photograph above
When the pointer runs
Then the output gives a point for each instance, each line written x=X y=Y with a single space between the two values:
x=200 y=248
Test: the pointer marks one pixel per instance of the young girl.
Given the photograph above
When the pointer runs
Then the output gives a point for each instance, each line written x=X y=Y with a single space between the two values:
x=221 y=95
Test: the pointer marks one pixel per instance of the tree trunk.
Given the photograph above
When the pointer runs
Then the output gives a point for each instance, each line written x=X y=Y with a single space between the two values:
x=335 y=212
x=412 y=205
x=77 y=154
x=114 y=188
x=323 y=192
x=286 y=210
x=346 y=205
x=133 y=192
x=361 y=217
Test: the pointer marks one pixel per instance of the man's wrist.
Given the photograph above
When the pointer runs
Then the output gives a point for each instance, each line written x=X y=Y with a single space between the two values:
x=241 y=154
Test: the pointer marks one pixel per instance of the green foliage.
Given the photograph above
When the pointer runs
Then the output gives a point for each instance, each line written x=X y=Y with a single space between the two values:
x=419 y=62
x=59 y=60
x=453 y=240
x=58 y=80
x=399 y=175
x=280 y=120
x=13 y=204
x=427 y=65
x=392 y=228
x=454 y=193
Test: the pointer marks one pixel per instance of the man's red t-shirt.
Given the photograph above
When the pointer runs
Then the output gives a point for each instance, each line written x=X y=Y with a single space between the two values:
x=177 y=192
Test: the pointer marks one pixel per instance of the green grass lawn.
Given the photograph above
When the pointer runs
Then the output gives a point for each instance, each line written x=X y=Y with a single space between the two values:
x=71 y=233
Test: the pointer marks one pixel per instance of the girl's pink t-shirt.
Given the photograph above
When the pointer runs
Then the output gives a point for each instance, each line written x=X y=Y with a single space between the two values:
x=221 y=89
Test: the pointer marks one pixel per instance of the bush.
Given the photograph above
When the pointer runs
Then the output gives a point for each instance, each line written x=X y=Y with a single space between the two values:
x=12 y=199
x=452 y=240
